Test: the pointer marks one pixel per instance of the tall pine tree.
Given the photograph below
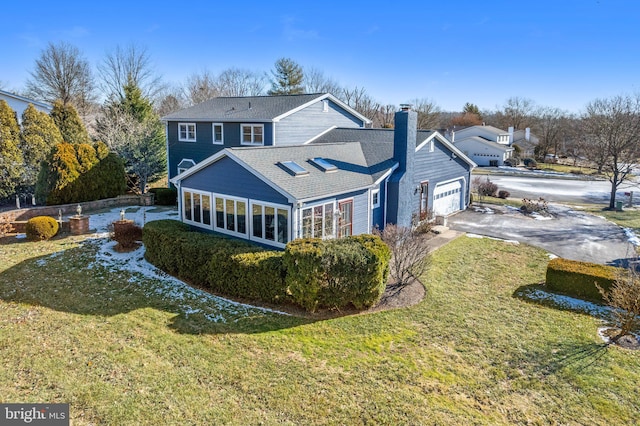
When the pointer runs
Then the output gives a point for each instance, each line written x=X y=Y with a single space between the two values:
x=38 y=137
x=288 y=78
x=69 y=123
x=11 y=160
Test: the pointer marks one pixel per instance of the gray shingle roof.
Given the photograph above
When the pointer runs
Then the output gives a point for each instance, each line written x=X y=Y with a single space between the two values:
x=377 y=145
x=353 y=171
x=249 y=108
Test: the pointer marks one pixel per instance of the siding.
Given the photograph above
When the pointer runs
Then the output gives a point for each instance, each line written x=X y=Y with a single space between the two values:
x=303 y=125
x=204 y=147
x=226 y=176
x=377 y=214
x=435 y=167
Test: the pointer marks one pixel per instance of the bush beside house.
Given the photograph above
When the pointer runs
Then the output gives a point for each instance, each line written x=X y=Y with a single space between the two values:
x=312 y=273
x=579 y=279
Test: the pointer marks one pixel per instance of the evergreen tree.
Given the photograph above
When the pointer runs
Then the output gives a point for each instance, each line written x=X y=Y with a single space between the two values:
x=11 y=160
x=287 y=78
x=133 y=130
x=470 y=108
x=68 y=121
x=38 y=137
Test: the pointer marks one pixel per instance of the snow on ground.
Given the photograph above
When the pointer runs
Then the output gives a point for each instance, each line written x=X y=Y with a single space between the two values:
x=189 y=300
x=631 y=236
x=493 y=238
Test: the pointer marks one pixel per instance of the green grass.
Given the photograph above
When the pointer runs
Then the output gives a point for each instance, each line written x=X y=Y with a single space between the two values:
x=497 y=201
x=122 y=352
x=626 y=218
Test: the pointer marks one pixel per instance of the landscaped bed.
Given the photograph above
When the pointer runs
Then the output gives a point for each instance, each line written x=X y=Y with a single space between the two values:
x=82 y=324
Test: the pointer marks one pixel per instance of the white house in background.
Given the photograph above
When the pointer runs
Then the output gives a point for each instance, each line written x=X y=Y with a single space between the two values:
x=484 y=145
x=526 y=140
x=19 y=104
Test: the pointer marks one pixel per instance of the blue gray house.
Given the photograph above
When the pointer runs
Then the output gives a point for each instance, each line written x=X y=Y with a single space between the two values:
x=198 y=132
x=345 y=181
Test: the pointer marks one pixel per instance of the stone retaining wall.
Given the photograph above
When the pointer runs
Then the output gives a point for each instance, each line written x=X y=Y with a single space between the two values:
x=19 y=217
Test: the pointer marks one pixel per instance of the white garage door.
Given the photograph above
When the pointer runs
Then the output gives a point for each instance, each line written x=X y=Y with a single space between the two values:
x=447 y=198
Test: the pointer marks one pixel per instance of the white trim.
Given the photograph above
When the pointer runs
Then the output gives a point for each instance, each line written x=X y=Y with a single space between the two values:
x=353 y=214
x=276 y=207
x=463 y=191
x=449 y=146
x=375 y=205
x=213 y=133
x=332 y=98
x=253 y=134
x=184 y=169
x=319 y=134
x=187 y=138
x=35 y=103
x=386 y=174
x=166 y=136
x=224 y=229
x=191 y=221
x=334 y=229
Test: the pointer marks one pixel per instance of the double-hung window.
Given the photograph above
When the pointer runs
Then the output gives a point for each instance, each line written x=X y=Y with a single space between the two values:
x=218 y=134
x=252 y=134
x=187 y=132
x=375 y=198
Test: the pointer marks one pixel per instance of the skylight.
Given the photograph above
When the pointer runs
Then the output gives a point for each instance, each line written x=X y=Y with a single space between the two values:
x=295 y=168
x=324 y=164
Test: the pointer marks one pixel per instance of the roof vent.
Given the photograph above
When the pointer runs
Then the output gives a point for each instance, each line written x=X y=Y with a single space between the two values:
x=294 y=168
x=323 y=164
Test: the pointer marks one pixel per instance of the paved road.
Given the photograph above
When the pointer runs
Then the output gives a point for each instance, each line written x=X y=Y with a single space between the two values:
x=565 y=190
x=569 y=233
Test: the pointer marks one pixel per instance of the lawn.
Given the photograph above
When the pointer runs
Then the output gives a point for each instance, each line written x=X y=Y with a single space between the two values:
x=132 y=348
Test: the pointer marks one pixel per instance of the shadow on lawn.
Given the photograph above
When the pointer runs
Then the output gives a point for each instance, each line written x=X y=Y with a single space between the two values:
x=70 y=281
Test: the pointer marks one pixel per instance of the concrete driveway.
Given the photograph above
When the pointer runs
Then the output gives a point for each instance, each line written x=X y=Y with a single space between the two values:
x=568 y=233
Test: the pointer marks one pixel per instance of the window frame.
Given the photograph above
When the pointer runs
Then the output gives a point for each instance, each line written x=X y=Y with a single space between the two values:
x=375 y=198
x=262 y=239
x=253 y=134
x=187 y=138
x=341 y=203
x=192 y=221
x=213 y=133
x=323 y=222
x=223 y=229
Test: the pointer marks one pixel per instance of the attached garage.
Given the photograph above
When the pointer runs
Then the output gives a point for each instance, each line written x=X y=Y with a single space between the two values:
x=448 y=197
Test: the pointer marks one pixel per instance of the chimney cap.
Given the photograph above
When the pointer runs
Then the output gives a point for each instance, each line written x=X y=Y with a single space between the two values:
x=405 y=107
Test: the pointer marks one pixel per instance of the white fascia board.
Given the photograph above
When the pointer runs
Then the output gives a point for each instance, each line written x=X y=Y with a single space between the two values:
x=386 y=174
x=319 y=134
x=449 y=145
x=329 y=96
x=218 y=120
x=333 y=194
x=27 y=100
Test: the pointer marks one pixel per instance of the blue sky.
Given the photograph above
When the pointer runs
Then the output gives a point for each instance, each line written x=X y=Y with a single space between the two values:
x=560 y=53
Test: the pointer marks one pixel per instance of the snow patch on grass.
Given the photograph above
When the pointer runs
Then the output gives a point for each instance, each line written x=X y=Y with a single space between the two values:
x=493 y=238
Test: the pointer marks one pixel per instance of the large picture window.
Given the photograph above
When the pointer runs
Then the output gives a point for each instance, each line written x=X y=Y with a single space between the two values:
x=187 y=132
x=318 y=221
x=196 y=208
x=252 y=134
x=269 y=222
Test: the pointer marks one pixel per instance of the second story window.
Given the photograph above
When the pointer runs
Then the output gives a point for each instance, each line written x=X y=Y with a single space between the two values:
x=252 y=134
x=218 y=135
x=187 y=132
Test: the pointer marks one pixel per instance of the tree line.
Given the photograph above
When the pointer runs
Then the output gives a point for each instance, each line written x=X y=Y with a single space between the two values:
x=134 y=96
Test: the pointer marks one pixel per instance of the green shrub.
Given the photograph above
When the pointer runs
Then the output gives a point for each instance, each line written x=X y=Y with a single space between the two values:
x=337 y=273
x=579 y=279
x=41 y=228
x=165 y=196
x=530 y=163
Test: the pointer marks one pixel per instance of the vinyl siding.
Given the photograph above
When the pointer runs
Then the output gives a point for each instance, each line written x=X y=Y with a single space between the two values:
x=227 y=177
x=303 y=125
x=435 y=167
x=204 y=147
x=360 y=210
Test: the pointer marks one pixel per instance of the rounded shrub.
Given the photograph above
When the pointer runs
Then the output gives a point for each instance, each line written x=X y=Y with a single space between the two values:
x=41 y=228
x=503 y=194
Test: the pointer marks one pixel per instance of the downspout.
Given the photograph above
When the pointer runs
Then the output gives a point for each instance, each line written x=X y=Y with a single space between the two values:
x=166 y=136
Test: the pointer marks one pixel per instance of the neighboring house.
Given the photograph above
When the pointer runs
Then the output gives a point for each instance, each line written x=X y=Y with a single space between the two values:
x=198 y=132
x=527 y=142
x=346 y=181
x=20 y=103
x=485 y=145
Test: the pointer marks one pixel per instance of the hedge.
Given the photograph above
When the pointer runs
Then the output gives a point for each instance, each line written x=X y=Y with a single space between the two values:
x=165 y=196
x=579 y=279
x=312 y=273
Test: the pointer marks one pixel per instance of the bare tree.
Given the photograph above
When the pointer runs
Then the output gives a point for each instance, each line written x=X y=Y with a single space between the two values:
x=574 y=140
x=549 y=126
x=61 y=73
x=129 y=64
x=612 y=128
x=171 y=100
x=358 y=99
x=624 y=298
x=240 y=82
x=409 y=252
x=428 y=113
x=316 y=82
x=200 y=88
x=517 y=112
x=386 y=116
